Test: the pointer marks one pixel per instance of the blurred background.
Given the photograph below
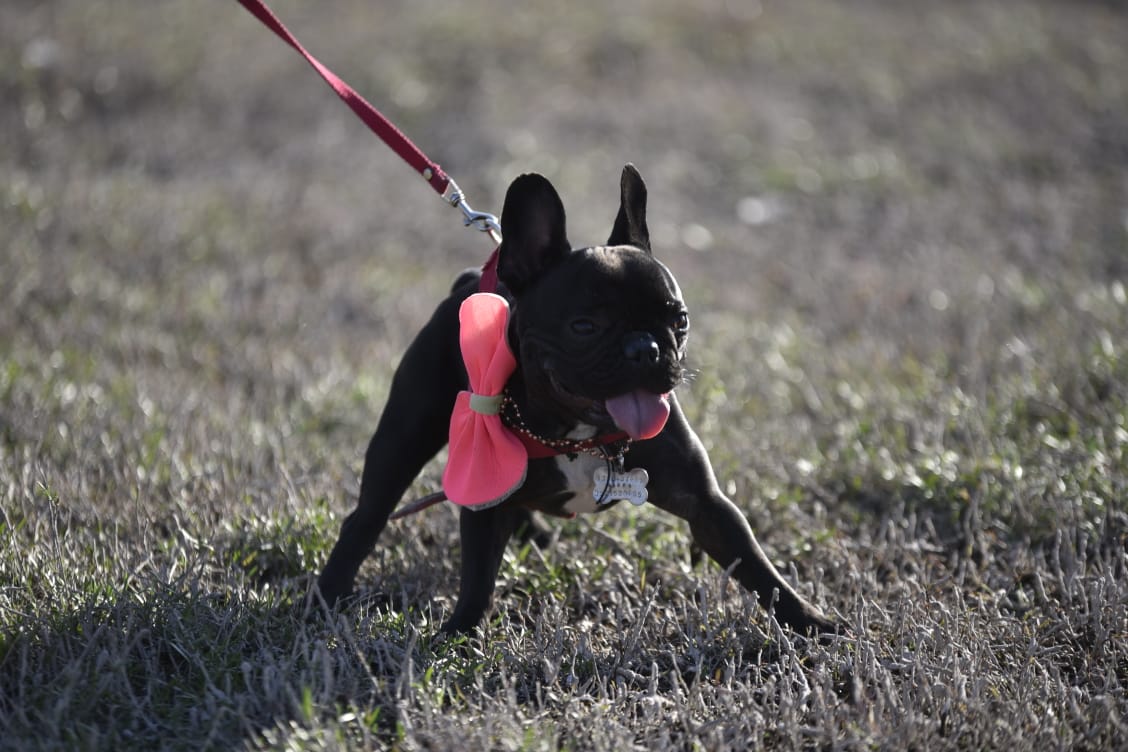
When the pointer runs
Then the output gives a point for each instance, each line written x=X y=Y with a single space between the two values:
x=854 y=195
x=885 y=167
x=902 y=232
x=886 y=216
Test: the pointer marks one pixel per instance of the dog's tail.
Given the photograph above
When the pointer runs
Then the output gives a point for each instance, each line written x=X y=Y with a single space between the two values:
x=419 y=505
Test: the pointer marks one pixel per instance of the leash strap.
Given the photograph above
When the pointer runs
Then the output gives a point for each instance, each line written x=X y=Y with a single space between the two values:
x=380 y=125
x=488 y=283
x=435 y=177
x=395 y=139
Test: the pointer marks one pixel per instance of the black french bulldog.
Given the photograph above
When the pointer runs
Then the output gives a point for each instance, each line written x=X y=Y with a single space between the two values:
x=599 y=336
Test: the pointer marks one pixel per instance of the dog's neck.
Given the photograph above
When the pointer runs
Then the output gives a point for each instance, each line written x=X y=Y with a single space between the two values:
x=538 y=416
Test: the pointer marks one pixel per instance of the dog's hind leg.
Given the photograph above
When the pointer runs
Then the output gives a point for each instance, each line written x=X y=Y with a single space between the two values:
x=412 y=429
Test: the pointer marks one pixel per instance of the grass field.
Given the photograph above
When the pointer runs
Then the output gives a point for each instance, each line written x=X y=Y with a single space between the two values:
x=902 y=231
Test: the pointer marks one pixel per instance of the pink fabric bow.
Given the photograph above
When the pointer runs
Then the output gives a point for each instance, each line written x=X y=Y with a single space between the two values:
x=485 y=462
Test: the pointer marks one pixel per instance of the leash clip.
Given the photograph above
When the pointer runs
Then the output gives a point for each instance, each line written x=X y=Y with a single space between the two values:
x=481 y=221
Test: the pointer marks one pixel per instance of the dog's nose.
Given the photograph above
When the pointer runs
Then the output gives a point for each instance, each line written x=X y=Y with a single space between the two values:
x=641 y=348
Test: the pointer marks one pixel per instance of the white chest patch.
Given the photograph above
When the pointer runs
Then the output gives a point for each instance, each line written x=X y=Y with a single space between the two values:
x=578 y=475
x=594 y=484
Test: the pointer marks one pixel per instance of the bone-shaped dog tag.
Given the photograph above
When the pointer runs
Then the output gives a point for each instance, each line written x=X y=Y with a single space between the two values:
x=629 y=486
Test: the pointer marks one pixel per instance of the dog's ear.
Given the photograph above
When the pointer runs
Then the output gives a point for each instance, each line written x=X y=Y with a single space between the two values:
x=532 y=230
x=630 y=224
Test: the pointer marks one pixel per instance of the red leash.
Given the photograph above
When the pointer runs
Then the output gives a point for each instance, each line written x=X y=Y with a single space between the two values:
x=439 y=181
x=380 y=125
x=384 y=128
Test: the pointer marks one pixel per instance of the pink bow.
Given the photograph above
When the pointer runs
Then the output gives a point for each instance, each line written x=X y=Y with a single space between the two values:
x=485 y=462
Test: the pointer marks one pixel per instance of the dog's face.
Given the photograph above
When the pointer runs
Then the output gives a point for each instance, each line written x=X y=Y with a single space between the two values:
x=599 y=332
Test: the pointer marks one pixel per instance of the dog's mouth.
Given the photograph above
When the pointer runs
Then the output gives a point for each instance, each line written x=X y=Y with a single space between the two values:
x=641 y=413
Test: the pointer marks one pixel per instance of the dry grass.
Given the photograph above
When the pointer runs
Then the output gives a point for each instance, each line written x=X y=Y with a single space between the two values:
x=902 y=231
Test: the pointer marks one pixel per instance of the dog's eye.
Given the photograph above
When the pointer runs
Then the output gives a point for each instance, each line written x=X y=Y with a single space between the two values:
x=583 y=327
x=681 y=321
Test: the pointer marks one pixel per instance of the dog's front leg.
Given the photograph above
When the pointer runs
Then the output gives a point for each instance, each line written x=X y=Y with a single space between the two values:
x=484 y=534
x=722 y=531
x=682 y=482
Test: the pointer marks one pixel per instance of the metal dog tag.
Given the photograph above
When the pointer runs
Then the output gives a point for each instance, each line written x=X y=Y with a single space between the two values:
x=629 y=486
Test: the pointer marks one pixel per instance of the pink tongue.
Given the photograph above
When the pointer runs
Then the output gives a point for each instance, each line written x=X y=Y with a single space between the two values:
x=641 y=414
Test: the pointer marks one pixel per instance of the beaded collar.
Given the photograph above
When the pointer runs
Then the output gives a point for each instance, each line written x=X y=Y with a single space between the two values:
x=609 y=446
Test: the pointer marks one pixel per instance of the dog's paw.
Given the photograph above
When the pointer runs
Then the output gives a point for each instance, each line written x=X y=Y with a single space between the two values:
x=454 y=626
x=809 y=621
x=821 y=625
x=333 y=593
